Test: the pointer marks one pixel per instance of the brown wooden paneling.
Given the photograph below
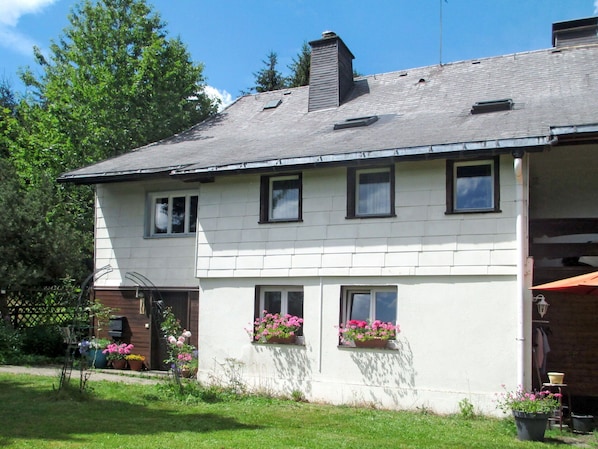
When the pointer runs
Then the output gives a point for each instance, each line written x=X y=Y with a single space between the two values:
x=127 y=305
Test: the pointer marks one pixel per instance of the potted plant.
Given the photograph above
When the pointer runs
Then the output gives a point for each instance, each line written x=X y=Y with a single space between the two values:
x=116 y=354
x=187 y=363
x=92 y=350
x=530 y=410
x=135 y=361
x=276 y=328
x=367 y=334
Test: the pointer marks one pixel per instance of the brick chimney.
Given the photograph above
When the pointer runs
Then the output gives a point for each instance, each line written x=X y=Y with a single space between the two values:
x=331 y=72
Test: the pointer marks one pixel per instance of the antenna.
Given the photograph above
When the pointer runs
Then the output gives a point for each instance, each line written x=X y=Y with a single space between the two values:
x=440 y=44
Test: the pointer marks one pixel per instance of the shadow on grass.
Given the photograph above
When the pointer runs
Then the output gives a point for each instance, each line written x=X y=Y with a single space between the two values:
x=30 y=412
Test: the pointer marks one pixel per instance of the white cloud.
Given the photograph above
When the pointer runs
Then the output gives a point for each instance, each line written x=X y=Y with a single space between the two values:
x=12 y=10
x=224 y=97
x=10 y=13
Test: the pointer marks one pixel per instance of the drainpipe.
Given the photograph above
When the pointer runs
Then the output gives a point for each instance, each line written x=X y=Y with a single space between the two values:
x=519 y=227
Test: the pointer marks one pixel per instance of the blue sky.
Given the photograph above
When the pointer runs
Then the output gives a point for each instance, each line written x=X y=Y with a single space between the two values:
x=233 y=37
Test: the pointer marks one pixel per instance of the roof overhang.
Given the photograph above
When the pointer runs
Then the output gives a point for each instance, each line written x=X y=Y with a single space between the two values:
x=497 y=146
x=575 y=134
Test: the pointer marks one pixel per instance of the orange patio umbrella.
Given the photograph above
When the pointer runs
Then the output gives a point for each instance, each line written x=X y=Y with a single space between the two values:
x=585 y=284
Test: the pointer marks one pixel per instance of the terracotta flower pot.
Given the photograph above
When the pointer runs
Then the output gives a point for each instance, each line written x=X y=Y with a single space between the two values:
x=281 y=340
x=135 y=365
x=119 y=364
x=372 y=344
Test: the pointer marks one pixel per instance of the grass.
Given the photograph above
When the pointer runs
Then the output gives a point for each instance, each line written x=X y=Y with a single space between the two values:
x=115 y=415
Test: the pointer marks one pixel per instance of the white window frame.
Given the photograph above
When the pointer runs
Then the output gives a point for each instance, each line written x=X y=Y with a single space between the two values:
x=284 y=297
x=348 y=291
x=153 y=197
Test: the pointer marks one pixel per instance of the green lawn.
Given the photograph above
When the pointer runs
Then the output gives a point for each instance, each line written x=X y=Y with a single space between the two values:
x=115 y=415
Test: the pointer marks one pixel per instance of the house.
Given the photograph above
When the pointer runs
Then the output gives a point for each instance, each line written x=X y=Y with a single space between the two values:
x=417 y=196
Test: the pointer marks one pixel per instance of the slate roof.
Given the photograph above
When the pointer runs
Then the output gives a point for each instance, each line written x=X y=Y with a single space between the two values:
x=422 y=112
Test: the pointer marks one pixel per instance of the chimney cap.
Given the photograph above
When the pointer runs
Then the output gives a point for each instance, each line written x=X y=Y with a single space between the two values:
x=328 y=34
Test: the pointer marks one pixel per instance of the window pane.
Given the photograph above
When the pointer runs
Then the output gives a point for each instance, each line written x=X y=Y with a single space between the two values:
x=359 y=307
x=373 y=193
x=178 y=215
x=193 y=213
x=473 y=188
x=295 y=304
x=161 y=216
x=386 y=306
x=285 y=199
x=272 y=302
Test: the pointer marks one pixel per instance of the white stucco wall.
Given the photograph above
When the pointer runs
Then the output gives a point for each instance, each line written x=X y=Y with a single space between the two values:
x=120 y=239
x=457 y=341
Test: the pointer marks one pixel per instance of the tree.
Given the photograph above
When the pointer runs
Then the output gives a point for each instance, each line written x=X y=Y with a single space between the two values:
x=114 y=81
x=269 y=78
x=300 y=67
x=35 y=234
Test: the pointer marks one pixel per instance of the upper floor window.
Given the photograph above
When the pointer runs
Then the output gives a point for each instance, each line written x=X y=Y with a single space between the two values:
x=369 y=304
x=370 y=192
x=280 y=198
x=473 y=186
x=173 y=213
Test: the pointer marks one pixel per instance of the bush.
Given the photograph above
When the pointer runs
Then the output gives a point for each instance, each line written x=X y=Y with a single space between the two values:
x=10 y=343
x=46 y=340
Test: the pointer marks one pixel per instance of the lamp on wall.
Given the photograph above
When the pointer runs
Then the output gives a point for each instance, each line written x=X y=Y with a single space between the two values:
x=141 y=296
x=541 y=304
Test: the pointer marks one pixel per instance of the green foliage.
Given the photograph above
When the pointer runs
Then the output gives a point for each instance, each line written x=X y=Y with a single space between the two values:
x=300 y=67
x=10 y=342
x=38 y=240
x=466 y=408
x=269 y=78
x=111 y=82
x=46 y=340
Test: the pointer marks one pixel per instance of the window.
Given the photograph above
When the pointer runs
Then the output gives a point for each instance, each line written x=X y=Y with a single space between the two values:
x=173 y=213
x=370 y=192
x=280 y=198
x=473 y=186
x=281 y=300
x=369 y=303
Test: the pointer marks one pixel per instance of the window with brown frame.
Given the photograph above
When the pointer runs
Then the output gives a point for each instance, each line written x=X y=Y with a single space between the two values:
x=280 y=198
x=472 y=186
x=370 y=192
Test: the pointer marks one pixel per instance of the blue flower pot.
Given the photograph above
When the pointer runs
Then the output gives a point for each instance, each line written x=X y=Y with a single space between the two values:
x=96 y=358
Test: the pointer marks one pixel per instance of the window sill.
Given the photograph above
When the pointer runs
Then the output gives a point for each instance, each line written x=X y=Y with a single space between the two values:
x=477 y=211
x=293 y=220
x=170 y=236
x=356 y=217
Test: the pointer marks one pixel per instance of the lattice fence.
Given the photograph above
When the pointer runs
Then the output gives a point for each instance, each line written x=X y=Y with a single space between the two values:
x=29 y=308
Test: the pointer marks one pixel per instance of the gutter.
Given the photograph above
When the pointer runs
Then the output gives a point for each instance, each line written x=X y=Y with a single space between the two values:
x=419 y=152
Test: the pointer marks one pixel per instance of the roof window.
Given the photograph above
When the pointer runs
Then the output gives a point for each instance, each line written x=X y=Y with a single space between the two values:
x=356 y=122
x=482 y=107
x=273 y=104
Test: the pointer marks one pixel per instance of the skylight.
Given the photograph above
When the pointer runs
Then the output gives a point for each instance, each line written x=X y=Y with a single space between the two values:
x=356 y=122
x=482 y=107
x=272 y=104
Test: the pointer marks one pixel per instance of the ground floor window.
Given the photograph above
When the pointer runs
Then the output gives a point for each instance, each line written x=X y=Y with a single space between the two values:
x=369 y=304
x=287 y=300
